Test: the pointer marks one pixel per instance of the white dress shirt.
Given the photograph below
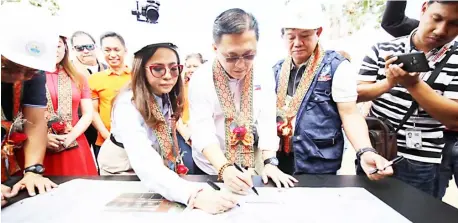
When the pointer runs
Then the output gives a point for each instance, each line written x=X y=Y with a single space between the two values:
x=129 y=128
x=207 y=117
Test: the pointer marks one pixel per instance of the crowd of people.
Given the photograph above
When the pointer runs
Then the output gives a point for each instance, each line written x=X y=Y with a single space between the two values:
x=160 y=118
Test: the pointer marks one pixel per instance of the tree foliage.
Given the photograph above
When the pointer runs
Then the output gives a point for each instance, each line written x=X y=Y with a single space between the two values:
x=52 y=5
x=360 y=12
x=349 y=16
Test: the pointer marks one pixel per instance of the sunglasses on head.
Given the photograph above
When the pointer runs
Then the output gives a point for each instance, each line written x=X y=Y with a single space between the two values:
x=88 y=47
x=159 y=70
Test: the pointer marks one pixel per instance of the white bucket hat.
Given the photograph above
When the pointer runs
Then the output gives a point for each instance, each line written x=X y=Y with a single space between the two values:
x=30 y=35
x=302 y=14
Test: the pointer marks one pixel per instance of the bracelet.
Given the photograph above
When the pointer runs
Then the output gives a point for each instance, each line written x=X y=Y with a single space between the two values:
x=363 y=150
x=192 y=199
x=221 y=170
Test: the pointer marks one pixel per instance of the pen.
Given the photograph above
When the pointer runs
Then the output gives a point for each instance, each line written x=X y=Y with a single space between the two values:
x=392 y=162
x=241 y=170
x=216 y=187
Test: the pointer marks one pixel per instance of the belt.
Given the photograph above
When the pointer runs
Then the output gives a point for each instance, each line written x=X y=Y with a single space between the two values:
x=113 y=140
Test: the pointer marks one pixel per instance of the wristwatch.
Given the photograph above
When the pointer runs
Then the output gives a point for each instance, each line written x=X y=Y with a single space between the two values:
x=272 y=161
x=363 y=150
x=37 y=168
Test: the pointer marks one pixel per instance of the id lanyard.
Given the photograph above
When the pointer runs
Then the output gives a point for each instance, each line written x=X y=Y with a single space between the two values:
x=413 y=135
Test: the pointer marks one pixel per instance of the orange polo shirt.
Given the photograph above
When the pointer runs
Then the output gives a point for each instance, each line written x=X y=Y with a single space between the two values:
x=105 y=85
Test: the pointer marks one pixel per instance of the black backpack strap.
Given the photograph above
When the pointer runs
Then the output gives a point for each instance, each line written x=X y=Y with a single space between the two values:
x=430 y=82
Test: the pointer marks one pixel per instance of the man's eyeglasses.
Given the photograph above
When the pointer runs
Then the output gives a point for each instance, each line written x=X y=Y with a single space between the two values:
x=159 y=70
x=89 y=47
x=236 y=59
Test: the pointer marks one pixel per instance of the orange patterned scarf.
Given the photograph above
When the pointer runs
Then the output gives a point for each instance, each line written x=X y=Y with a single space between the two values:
x=238 y=125
x=167 y=139
x=287 y=111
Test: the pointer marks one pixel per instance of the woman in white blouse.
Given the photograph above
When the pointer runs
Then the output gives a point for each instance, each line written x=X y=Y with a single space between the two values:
x=143 y=132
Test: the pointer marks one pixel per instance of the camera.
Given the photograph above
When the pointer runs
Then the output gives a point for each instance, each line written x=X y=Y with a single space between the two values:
x=148 y=10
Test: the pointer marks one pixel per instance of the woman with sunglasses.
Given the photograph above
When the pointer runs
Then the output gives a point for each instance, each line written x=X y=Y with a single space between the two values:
x=143 y=132
x=67 y=90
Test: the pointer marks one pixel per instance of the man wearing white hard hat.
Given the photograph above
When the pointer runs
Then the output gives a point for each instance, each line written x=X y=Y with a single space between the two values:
x=27 y=47
x=316 y=94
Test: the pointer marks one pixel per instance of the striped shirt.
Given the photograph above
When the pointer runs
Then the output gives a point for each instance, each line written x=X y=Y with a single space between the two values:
x=394 y=104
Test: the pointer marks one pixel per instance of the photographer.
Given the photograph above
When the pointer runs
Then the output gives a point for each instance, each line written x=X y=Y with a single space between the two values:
x=396 y=23
x=393 y=91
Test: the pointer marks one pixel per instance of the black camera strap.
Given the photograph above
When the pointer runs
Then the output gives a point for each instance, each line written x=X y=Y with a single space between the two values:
x=430 y=82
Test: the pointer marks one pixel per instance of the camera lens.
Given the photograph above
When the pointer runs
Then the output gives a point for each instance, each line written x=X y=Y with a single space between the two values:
x=152 y=14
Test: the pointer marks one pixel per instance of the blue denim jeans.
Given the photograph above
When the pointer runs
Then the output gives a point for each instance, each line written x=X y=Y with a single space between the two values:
x=421 y=175
x=187 y=157
x=449 y=165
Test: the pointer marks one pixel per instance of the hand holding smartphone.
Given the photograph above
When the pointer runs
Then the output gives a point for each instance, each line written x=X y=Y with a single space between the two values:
x=412 y=62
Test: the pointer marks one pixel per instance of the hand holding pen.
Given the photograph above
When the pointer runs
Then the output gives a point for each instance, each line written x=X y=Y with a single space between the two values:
x=371 y=161
x=214 y=201
x=237 y=181
x=391 y=163
x=243 y=171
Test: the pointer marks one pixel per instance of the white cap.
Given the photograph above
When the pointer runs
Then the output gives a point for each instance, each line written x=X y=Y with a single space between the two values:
x=29 y=35
x=302 y=14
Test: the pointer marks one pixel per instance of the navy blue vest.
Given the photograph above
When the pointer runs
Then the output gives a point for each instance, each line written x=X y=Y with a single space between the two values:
x=318 y=141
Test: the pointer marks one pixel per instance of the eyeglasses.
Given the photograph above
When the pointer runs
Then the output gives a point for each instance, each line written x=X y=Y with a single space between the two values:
x=89 y=47
x=236 y=59
x=159 y=70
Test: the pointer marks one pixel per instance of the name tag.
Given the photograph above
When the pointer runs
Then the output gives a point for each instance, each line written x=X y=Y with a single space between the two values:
x=413 y=139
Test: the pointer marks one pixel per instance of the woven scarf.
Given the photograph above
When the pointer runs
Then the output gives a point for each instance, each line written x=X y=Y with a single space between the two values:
x=238 y=126
x=286 y=112
x=166 y=137
x=64 y=96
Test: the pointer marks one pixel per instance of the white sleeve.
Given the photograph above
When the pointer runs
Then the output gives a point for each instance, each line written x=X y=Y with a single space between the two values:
x=144 y=159
x=267 y=124
x=344 y=84
x=201 y=108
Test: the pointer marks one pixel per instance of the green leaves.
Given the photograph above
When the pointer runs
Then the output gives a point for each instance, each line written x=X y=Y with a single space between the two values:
x=359 y=13
x=52 y=5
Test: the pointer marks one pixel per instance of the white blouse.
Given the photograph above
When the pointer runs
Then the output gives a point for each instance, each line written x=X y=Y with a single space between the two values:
x=207 y=117
x=129 y=128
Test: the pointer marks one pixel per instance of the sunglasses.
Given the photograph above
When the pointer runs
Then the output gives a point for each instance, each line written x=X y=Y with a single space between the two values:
x=89 y=47
x=159 y=70
x=245 y=58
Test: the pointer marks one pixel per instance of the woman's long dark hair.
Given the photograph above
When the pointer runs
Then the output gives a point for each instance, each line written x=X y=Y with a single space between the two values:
x=143 y=92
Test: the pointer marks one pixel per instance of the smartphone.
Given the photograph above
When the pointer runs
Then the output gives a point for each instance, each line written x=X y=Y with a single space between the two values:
x=413 y=62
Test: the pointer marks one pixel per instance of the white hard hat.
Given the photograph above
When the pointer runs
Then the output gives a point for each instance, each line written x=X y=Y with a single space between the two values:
x=29 y=35
x=302 y=14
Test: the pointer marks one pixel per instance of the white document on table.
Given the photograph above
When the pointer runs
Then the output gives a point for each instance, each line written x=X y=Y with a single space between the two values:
x=86 y=201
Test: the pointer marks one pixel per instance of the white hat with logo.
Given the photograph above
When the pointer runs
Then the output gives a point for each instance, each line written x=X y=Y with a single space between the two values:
x=29 y=35
x=302 y=14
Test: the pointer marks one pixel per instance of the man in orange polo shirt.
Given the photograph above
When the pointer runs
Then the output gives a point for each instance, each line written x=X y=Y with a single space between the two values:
x=105 y=85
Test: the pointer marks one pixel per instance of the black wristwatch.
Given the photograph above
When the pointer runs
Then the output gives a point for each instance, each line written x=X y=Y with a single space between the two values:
x=363 y=150
x=272 y=161
x=37 y=168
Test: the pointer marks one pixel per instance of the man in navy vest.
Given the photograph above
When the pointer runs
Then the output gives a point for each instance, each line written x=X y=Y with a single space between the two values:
x=316 y=94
